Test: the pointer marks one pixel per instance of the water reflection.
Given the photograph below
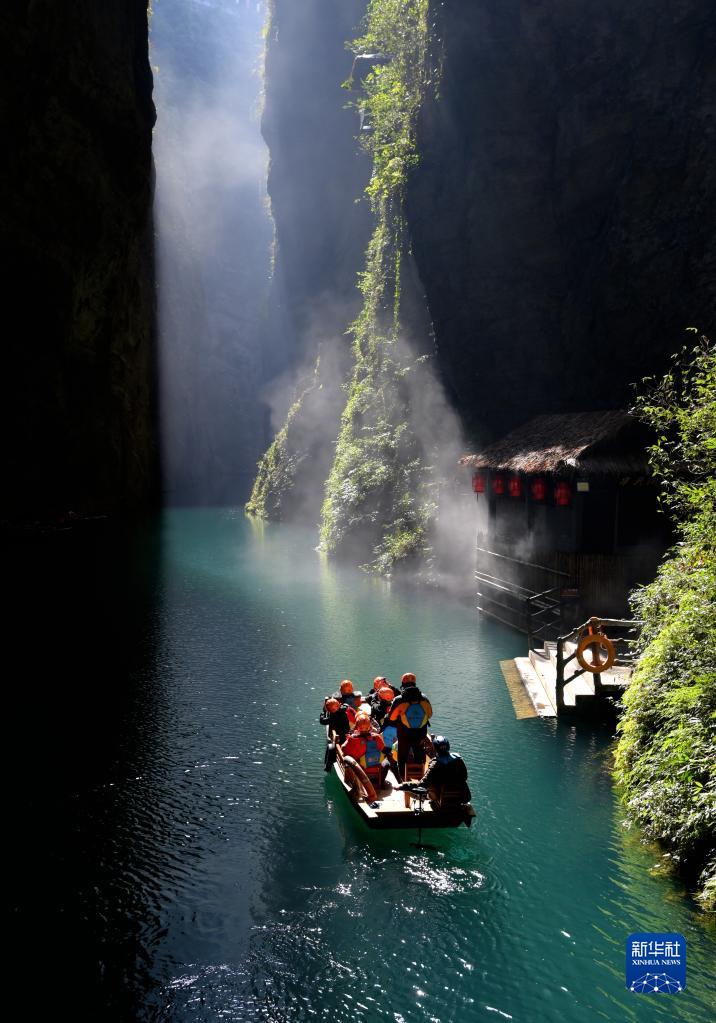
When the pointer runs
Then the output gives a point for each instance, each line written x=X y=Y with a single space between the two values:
x=206 y=866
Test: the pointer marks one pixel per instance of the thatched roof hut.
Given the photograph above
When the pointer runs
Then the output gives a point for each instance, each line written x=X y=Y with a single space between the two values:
x=601 y=443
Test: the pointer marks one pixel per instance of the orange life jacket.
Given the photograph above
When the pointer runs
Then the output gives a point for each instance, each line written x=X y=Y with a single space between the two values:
x=367 y=749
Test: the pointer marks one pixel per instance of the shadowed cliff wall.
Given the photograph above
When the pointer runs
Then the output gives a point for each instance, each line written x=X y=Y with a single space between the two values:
x=317 y=172
x=76 y=239
x=562 y=213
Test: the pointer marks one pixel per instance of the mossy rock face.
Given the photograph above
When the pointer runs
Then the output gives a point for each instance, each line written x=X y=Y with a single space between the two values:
x=290 y=479
x=278 y=469
x=377 y=504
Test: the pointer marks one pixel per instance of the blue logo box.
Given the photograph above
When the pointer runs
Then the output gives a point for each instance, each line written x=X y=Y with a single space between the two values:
x=656 y=963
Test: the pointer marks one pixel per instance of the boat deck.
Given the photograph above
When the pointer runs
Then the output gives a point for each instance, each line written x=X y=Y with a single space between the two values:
x=393 y=812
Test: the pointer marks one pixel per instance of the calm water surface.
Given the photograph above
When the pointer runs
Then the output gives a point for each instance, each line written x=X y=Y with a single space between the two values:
x=203 y=867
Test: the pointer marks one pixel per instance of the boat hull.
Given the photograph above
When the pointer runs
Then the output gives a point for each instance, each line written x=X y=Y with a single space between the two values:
x=392 y=812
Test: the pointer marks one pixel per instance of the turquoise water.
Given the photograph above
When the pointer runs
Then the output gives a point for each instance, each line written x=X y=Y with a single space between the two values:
x=235 y=882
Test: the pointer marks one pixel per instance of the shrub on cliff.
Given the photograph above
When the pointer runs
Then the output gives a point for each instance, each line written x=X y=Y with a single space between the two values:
x=667 y=746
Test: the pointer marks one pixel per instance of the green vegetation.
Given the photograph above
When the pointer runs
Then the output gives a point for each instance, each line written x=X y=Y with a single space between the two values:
x=379 y=488
x=378 y=495
x=667 y=747
x=277 y=468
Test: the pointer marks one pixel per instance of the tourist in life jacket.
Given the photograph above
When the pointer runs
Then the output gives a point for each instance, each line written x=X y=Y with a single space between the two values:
x=410 y=711
x=365 y=708
x=339 y=718
x=347 y=695
x=380 y=702
x=445 y=778
x=366 y=747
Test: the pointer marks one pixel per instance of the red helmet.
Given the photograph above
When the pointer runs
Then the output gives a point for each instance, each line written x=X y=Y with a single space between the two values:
x=346 y=686
x=408 y=679
x=332 y=703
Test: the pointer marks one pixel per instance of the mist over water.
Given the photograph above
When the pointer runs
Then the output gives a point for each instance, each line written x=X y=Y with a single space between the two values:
x=213 y=238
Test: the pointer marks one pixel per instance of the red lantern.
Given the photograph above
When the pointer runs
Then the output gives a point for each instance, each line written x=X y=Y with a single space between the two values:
x=479 y=482
x=514 y=486
x=538 y=488
x=562 y=494
x=498 y=484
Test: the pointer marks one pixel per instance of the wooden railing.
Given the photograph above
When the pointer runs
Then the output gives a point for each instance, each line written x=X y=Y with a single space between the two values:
x=536 y=611
x=622 y=632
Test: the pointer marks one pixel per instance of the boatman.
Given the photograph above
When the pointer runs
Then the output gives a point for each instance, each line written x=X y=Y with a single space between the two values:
x=445 y=778
x=410 y=712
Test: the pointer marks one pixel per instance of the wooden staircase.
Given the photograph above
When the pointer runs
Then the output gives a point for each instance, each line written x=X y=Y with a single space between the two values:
x=556 y=684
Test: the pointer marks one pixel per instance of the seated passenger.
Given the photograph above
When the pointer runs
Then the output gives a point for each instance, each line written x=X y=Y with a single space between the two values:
x=366 y=747
x=338 y=717
x=365 y=708
x=380 y=702
x=346 y=694
x=378 y=682
x=445 y=778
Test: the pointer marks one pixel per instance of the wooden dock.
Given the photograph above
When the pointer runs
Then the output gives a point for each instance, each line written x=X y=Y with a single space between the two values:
x=538 y=676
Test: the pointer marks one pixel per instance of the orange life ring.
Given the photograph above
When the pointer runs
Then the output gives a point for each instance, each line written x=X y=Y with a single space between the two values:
x=600 y=643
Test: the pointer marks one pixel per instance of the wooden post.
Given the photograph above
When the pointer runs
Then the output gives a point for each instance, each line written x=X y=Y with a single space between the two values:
x=559 y=682
x=596 y=677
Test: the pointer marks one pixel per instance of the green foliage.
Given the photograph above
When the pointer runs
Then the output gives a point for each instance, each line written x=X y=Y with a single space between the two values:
x=666 y=754
x=393 y=92
x=378 y=487
x=682 y=410
x=278 y=467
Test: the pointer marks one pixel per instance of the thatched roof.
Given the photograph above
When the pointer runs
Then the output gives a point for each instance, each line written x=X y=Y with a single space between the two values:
x=610 y=443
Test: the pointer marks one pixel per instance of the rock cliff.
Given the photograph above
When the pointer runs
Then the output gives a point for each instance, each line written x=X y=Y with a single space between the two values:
x=77 y=247
x=316 y=177
x=562 y=213
x=316 y=173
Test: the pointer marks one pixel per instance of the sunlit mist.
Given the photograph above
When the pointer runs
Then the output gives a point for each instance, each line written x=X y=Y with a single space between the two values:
x=213 y=244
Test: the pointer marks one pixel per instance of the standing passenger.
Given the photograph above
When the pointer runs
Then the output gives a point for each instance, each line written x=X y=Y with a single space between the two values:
x=410 y=712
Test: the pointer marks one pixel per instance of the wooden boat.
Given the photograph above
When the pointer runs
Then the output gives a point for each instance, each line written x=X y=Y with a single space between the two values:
x=396 y=808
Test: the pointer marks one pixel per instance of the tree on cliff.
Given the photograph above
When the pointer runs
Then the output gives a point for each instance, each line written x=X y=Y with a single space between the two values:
x=667 y=745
